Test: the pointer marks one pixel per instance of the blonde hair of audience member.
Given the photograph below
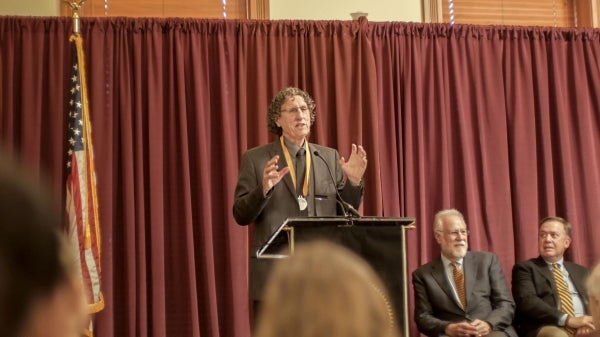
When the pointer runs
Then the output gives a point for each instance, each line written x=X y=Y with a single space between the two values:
x=325 y=290
x=40 y=294
x=592 y=285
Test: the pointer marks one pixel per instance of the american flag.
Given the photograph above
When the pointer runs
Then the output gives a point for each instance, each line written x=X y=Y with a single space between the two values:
x=82 y=199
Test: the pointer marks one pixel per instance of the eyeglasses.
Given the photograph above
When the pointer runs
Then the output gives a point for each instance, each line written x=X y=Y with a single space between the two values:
x=462 y=232
x=553 y=235
x=300 y=109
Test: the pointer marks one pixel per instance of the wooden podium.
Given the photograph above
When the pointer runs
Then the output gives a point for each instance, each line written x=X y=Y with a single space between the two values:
x=381 y=241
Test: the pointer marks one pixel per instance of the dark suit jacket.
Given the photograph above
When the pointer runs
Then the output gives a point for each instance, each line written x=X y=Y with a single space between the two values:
x=535 y=293
x=269 y=213
x=488 y=296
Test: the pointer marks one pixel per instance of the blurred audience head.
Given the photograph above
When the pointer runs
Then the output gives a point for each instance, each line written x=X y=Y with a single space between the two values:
x=325 y=290
x=593 y=290
x=40 y=294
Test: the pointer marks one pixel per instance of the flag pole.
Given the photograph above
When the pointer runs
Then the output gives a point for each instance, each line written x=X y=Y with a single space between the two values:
x=75 y=7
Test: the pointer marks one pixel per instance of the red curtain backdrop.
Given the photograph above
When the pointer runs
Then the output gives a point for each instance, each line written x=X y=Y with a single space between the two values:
x=501 y=123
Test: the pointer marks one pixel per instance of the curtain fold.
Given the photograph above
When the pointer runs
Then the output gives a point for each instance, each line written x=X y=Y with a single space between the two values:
x=499 y=122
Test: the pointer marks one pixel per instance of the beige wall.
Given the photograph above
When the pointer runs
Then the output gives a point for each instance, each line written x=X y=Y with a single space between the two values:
x=379 y=10
x=29 y=7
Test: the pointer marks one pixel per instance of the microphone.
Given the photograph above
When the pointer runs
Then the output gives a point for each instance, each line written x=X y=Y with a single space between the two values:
x=346 y=207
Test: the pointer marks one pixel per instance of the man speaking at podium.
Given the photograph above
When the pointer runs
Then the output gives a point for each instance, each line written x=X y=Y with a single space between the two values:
x=291 y=177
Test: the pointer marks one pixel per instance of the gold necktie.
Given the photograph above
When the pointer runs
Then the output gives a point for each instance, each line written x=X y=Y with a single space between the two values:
x=459 y=282
x=566 y=301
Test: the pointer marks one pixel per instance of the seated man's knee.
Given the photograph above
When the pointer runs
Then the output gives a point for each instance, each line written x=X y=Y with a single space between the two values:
x=552 y=331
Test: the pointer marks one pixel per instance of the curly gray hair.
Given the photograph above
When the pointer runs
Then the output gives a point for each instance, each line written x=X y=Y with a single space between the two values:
x=280 y=98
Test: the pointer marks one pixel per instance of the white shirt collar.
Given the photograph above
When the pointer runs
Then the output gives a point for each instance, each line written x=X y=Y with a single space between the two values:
x=447 y=261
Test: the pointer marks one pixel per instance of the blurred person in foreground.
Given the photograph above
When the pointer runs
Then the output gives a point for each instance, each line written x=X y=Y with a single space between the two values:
x=592 y=284
x=325 y=290
x=461 y=293
x=292 y=177
x=40 y=292
x=541 y=312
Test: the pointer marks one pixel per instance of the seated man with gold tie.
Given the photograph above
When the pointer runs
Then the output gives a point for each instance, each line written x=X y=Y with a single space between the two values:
x=549 y=291
x=461 y=293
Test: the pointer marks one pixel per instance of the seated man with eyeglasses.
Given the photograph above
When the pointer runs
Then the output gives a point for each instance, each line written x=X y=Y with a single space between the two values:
x=461 y=293
x=549 y=291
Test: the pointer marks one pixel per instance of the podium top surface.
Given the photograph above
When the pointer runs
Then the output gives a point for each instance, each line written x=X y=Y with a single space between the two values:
x=338 y=220
x=332 y=221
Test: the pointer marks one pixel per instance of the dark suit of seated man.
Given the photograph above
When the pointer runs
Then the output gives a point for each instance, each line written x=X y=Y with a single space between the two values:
x=540 y=312
x=439 y=307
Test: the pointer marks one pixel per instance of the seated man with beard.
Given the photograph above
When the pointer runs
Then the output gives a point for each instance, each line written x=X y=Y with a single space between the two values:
x=461 y=293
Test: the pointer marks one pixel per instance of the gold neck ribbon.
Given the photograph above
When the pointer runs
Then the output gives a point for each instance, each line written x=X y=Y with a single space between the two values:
x=290 y=164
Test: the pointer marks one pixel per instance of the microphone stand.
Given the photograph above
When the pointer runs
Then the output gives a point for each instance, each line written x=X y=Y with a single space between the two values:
x=348 y=210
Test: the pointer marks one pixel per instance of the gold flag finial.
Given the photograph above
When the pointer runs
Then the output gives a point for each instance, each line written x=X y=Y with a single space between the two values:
x=75 y=7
